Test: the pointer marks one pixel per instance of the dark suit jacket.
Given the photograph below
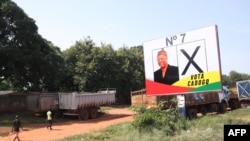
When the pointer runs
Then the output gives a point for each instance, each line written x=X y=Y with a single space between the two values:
x=172 y=75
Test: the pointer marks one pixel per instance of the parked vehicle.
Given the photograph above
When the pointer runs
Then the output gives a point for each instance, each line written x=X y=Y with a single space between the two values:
x=206 y=102
x=192 y=103
x=243 y=90
x=11 y=101
x=85 y=104
x=39 y=103
x=240 y=96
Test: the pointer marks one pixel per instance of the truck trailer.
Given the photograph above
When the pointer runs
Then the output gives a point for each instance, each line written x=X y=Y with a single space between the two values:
x=206 y=102
x=39 y=103
x=240 y=95
x=193 y=103
x=85 y=105
x=243 y=91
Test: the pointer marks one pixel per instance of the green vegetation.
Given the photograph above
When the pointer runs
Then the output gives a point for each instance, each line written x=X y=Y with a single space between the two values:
x=168 y=121
x=149 y=125
x=209 y=127
x=26 y=118
x=31 y=63
x=31 y=119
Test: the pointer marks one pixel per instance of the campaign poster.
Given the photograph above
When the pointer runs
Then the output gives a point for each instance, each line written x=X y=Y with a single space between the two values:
x=183 y=63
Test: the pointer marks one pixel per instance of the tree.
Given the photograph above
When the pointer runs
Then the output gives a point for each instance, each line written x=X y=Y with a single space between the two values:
x=27 y=61
x=95 y=67
x=77 y=58
x=226 y=81
x=130 y=73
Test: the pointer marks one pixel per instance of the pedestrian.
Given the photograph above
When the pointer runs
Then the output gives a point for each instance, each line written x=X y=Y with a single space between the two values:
x=49 y=120
x=16 y=125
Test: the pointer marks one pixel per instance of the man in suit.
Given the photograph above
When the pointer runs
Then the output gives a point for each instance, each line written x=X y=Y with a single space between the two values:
x=167 y=74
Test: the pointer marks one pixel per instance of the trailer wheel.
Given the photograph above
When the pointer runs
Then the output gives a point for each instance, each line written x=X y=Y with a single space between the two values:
x=93 y=113
x=222 y=107
x=203 y=109
x=84 y=114
x=234 y=104
x=213 y=107
x=192 y=113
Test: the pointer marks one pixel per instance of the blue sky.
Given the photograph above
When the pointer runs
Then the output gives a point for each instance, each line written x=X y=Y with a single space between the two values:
x=132 y=22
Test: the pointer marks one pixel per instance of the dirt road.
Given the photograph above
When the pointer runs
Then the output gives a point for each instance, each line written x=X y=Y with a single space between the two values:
x=114 y=116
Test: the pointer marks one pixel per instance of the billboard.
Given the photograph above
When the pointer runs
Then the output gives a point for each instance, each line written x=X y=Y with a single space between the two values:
x=183 y=63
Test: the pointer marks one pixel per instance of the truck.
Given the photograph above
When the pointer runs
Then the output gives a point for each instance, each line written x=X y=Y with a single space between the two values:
x=11 y=101
x=204 y=102
x=191 y=104
x=240 y=95
x=243 y=90
x=85 y=104
x=39 y=103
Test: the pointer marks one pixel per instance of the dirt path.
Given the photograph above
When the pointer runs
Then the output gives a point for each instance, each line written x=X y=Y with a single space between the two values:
x=114 y=116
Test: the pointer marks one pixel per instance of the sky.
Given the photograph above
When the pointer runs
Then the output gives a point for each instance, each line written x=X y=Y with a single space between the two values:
x=127 y=23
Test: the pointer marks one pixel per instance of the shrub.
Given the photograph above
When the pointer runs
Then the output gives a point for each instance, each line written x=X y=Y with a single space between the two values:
x=168 y=120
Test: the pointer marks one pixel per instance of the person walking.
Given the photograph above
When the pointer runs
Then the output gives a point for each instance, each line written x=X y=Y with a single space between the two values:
x=16 y=125
x=49 y=120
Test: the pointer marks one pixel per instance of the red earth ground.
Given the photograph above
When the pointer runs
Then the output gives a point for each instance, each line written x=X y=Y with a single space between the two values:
x=73 y=127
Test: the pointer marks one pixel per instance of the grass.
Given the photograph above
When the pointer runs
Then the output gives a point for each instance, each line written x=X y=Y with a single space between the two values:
x=25 y=117
x=31 y=119
x=28 y=118
x=206 y=128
